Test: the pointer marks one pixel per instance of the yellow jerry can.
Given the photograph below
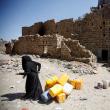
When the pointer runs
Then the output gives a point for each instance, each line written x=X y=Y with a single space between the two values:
x=78 y=84
x=61 y=98
x=67 y=88
x=63 y=79
x=55 y=90
x=50 y=82
x=72 y=82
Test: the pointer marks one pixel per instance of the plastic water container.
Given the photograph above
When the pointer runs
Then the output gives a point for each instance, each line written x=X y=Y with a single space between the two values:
x=76 y=83
x=79 y=84
x=55 y=90
x=105 y=84
x=50 y=82
x=67 y=88
x=72 y=82
x=46 y=96
x=63 y=79
x=61 y=97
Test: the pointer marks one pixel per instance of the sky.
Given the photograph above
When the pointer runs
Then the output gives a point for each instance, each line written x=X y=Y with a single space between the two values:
x=14 y=14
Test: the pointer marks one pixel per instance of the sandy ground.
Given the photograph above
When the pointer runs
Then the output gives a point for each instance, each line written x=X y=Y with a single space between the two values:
x=12 y=87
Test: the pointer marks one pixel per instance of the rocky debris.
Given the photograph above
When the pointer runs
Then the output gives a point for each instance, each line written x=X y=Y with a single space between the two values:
x=81 y=68
x=4 y=59
x=56 y=65
x=79 y=52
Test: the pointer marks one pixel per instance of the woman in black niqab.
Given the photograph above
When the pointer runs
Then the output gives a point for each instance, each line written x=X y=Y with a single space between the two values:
x=33 y=86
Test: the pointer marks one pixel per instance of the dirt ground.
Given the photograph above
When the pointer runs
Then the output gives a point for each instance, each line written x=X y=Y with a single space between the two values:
x=12 y=86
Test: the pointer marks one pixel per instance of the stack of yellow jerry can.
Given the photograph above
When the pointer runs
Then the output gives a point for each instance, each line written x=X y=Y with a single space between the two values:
x=60 y=88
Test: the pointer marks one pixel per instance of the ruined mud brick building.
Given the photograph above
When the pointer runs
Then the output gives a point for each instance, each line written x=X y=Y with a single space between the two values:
x=54 y=46
x=91 y=31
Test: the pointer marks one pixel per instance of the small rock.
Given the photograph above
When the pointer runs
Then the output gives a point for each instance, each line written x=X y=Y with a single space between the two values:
x=12 y=87
x=82 y=99
x=37 y=56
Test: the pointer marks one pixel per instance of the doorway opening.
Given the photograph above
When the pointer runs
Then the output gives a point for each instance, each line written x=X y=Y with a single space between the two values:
x=104 y=55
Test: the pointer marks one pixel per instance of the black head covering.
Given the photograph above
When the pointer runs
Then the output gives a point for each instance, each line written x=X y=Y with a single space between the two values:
x=25 y=59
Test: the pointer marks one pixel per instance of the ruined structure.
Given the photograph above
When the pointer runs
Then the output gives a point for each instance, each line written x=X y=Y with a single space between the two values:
x=9 y=47
x=91 y=31
x=54 y=46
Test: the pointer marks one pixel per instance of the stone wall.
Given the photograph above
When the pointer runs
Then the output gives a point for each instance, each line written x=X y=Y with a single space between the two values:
x=95 y=33
x=54 y=46
x=50 y=27
x=37 y=28
x=79 y=52
x=65 y=27
x=36 y=44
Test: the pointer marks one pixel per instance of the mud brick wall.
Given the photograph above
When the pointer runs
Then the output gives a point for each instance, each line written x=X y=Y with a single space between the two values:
x=50 y=27
x=26 y=31
x=65 y=52
x=55 y=46
x=65 y=27
x=36 y=44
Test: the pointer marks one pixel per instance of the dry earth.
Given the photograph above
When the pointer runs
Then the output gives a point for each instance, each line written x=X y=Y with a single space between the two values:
x=12 y=85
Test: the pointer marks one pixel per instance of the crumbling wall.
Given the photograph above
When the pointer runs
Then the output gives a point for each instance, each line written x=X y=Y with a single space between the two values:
x=65 y=52
x=37 y=28
x=65 y=28
x=9 y=47
x=79 y=52
x=36 y=44
x=95 y=31
x=54 y=46
x=26 y=31
x=50 y=27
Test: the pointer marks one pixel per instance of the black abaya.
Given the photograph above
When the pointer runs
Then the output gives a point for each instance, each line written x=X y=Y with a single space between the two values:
x=33 y=86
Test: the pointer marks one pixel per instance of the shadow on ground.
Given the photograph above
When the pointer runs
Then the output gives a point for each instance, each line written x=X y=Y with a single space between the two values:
x=47 y=103
x=12 y=96
x=107 y=65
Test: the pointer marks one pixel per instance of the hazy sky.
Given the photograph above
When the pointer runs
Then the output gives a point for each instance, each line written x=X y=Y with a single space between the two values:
x=17 y=13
